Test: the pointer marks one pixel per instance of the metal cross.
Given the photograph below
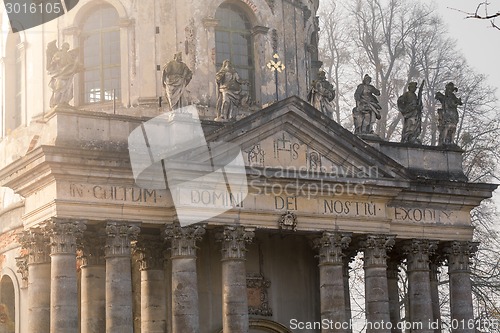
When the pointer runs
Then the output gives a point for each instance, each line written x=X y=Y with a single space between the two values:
x=276 y=66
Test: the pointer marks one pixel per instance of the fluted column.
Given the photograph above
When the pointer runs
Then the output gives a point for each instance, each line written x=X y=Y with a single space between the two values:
x=234 y=282
x=331 y=280
x=376 y=288
x=153 y=291
x=93 y=283
x=63 y=288
x=458 y=254
x=418 y=252
x=393 y=289
x=36 y=244
x=185 y=307
x=436 y=262
x=119 y=315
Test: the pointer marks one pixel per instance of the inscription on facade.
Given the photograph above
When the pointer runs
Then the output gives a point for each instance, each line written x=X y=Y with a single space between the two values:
x=414 y=214
x=113 y=193
x=346 y=207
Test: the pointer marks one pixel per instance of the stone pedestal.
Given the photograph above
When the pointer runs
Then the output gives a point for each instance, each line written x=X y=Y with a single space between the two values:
x=458 y=254
x=332 y=282
x=93 y=284
x=36 y=245
x=153 y=291
x=393 y=289
x=376 y=287
x=185 y=307
x=119 y=317
x=234 y=282
x=64 y=288
x=419 y=284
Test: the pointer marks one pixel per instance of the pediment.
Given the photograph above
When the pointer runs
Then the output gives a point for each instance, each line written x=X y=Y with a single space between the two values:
x=292 y=135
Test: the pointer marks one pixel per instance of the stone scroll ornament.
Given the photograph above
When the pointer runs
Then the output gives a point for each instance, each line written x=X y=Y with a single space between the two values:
x=26 y=14
x=448 y=114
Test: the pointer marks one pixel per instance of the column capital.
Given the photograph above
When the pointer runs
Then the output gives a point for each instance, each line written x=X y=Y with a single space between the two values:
x=22 y=268
x=331 y=246
x=63 y=235
x=234 y=240
x=36 y=244
x=93 y=245
x=376 y=248
x=119 y=237
x=418 y=252
x=183 y=239
x=150 y=252
x=458 y=255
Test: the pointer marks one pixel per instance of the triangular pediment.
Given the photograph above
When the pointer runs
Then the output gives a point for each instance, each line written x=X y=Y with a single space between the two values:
x=292 y=135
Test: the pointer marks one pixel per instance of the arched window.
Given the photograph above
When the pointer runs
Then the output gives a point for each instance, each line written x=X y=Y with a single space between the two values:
x=7 y=304
x=13 y=83
x=233 y=41
x=101 y=56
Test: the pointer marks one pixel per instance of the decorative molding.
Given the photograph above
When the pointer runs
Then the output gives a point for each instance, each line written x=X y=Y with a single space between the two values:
x=234 y=240
x=288 y=221
x=119 y=238
x=63 y=235
x=458 y=255
x=210 y=22
x=36 y=244
x=22 y=268
x=376 y=248
x=258 y=301
x=183 y=239
x=331 y=246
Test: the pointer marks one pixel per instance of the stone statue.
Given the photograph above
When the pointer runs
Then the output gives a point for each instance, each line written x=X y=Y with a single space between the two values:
x=176 y=76
x=410 y=106
x=230 y=97
x=62 y=65
x=322 y=94
x=367 y=108
x=448 y=114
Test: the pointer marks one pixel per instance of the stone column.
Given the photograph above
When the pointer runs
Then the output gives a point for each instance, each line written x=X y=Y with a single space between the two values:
x=93 y=283
x=458 y=254
x=331 y=279
x=185 y=307
x=36 y=245
x=347 y=292
x=418 y=253
x=64 y=287
x=234 y=281
x=393 y=289
x=153 y=291
x=436 y=261
x=119 y=315
x=376 y=288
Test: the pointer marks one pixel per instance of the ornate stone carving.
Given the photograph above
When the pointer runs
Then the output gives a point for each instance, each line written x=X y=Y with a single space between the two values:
x=418 y=252
x=234 y=241
x=151 y=253
x=458 y=255
x=63 y=235
x=331 y=246
x=376 y=248
x=37 y=247
x=288 y=221
x=258 y=302
x=183 y=239
x=22 y=268
x=119 y=237
x=93 y=245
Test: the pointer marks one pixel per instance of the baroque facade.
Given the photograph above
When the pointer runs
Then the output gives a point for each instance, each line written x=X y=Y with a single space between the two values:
x=85 y=248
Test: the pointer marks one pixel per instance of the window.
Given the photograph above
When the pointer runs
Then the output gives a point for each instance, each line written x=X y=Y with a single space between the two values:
x=233 y=41
x=7 y=304
x=101 y=56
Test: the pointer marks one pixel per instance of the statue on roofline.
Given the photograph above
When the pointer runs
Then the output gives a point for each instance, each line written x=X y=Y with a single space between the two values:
x=175 y=77
x=367 y=110
x=448 y=114
x=410 y=105
x=322 y=94
x=230 y=96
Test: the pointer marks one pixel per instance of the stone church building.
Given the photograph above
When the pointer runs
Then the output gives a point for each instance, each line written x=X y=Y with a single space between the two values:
x=85 y=248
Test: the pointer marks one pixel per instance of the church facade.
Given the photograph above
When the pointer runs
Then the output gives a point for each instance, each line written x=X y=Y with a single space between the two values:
x=91 y=241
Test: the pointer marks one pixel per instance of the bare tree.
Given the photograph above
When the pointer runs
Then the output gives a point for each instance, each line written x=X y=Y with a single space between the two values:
x=482 y=13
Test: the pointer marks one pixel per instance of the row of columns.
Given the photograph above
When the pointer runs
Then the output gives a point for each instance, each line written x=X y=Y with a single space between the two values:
x=106 y=286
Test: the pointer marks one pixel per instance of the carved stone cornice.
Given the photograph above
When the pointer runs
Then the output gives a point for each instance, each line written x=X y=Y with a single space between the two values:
x=151 y=253
x=119 y=238
x=183 y=239
x=458 y=255
x=36 y=244
x=376 y=248
x=418 y=253
x=63 y=235
x=92 y=245
x=331 y=246
x=234 y=242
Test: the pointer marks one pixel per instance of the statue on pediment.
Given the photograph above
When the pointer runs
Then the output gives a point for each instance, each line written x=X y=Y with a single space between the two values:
x=62 y=65
x=410 y=105
x=367 y=110
x=230 y=96
x=175 y=77
x=322 y=94
x=448 y=114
